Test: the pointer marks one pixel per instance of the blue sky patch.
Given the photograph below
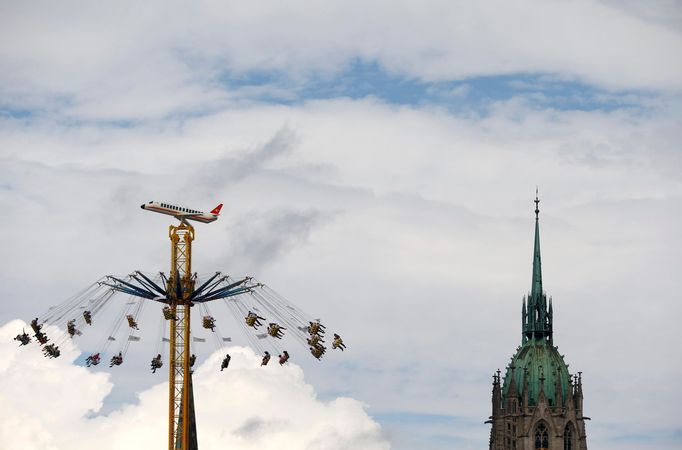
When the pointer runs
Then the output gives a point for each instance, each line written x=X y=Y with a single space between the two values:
x=15 y=113
x=362 y=80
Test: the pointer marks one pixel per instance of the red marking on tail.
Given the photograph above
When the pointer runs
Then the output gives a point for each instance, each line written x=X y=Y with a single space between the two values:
x=216 y=210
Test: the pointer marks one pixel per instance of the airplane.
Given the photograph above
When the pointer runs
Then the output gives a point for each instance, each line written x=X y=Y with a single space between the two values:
x=181 y=213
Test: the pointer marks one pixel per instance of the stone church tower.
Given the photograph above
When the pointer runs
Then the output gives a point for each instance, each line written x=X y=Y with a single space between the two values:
x=538 y=405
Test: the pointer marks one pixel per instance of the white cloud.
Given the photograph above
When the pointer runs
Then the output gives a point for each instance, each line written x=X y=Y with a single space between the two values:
x=49 y=404
x=139 y=62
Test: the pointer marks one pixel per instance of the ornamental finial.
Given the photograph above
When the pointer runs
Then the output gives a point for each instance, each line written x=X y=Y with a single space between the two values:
x=537 y=202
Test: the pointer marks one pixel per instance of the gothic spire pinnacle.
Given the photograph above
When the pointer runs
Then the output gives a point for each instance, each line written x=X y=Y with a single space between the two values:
x=536 y=285
x=537 y=318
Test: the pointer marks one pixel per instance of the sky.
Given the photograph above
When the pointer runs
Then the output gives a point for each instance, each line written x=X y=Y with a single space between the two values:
x=378 y=162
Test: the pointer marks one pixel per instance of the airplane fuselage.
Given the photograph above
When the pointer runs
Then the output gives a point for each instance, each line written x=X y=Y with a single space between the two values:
x=182 y=213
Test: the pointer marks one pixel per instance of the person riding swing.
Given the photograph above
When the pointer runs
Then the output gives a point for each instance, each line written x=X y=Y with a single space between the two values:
x=254 y=320
x=316 y=328
x=41 y=337
x=23 y=338
x=209 y=323
x=266 y=359
x=338 y=343
x=71 y=328
x=36 y=327
x=156 y=363
x=51 y=351
x=131 y=322
x=92 y=360
x=116 y=360
x=168 y=314
x=226 y=362
x=318 y=350
x=275 y=330
x=315 y=340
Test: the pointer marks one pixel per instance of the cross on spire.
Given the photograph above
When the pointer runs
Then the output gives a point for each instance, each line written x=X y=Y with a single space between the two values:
x=537 y=203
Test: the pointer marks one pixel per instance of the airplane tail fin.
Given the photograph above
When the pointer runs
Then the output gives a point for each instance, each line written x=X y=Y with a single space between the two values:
x=216 y=210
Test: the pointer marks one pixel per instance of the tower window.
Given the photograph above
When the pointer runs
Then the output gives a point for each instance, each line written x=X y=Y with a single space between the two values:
x=568 y=437
x=541 y=437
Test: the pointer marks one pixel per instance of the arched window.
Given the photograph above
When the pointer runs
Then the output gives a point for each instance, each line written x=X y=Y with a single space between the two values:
x=568 y=437
x=541 y=437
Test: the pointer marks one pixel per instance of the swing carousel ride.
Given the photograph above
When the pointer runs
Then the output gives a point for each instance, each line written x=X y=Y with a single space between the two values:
x=157 y=307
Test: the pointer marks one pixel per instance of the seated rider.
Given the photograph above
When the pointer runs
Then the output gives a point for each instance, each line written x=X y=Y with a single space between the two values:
x=92 y=360
x=71 y=328
x=316 y=328
x=275 y=330
x=88 y=317
x=284 y=357
x=51 y=351
x=23 y=338
x=34 y=324
x=317 y=351
x=131 y=322
x=226 y=362
x=156 y=363
x=315 y=340
x=116 y=360
x=192 y=360
x=209 y=322
x=254 y=320
x=167 y=313
x=338 y=342
x=266 y=359
x=42 y=337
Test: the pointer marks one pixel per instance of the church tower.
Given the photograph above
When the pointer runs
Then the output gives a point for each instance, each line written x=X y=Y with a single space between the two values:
x=538 y=405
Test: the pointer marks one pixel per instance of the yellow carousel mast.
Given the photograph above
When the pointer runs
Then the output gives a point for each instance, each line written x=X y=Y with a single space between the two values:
x=180 y=288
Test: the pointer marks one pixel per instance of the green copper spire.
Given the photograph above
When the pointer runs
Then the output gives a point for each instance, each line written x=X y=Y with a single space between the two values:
x=537 y=369
x=536 y=284
x=537 y=318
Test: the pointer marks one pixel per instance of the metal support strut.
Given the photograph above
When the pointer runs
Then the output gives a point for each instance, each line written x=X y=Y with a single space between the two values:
x=180 y=287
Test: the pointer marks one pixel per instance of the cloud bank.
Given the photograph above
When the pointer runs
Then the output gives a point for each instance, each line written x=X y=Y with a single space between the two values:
x=52 y=404
x=104 y=61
